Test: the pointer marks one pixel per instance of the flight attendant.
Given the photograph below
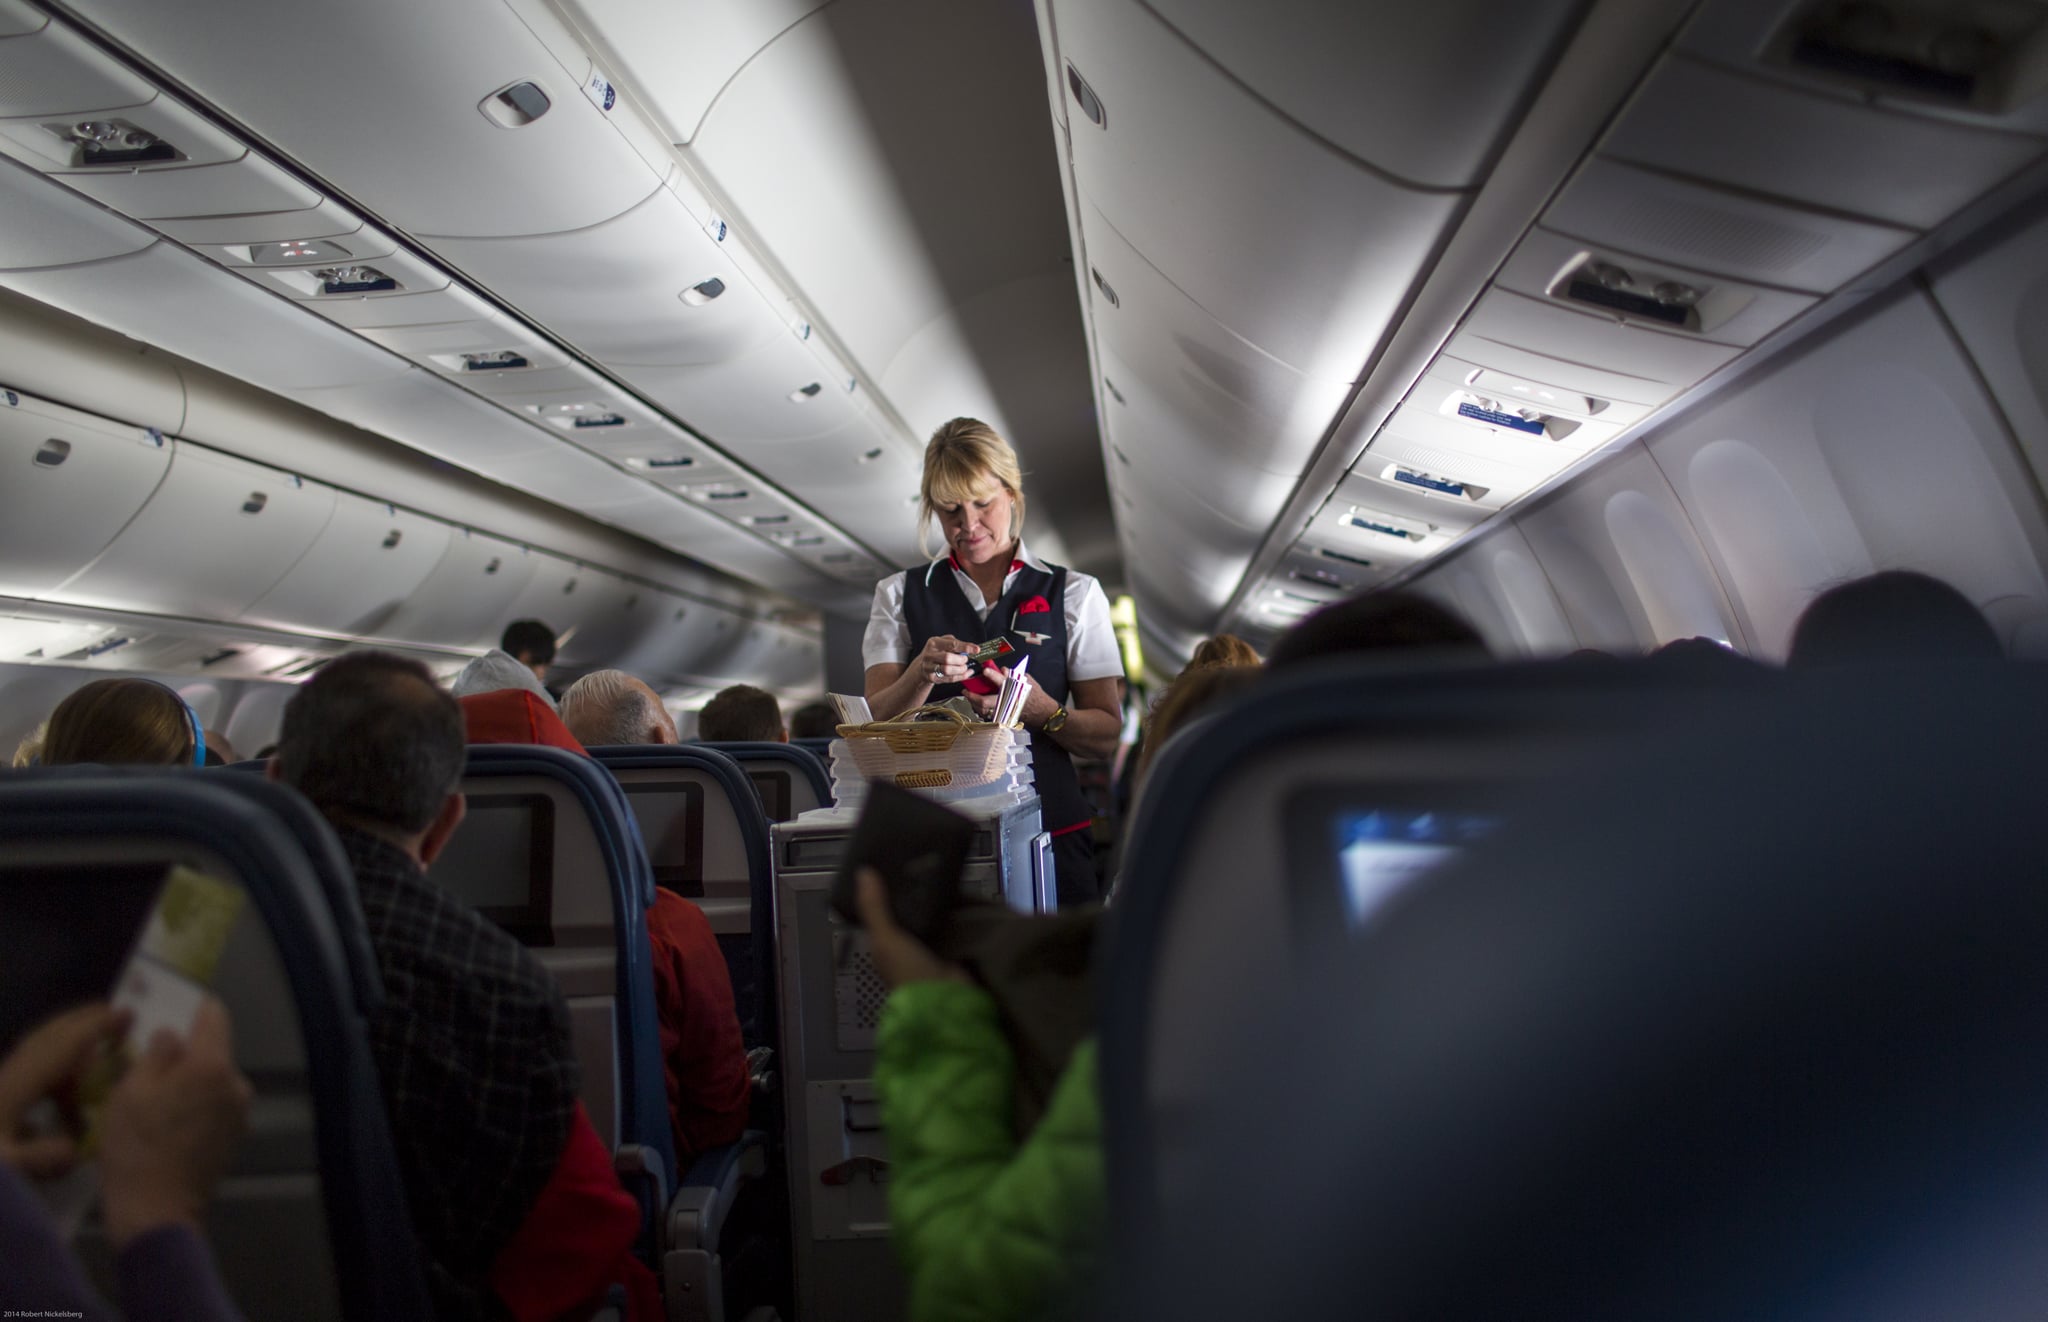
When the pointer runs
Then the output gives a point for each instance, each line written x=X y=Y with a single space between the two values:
x=928 y=619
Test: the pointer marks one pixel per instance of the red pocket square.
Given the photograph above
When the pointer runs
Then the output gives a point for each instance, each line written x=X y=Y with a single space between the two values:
x=1033 y=606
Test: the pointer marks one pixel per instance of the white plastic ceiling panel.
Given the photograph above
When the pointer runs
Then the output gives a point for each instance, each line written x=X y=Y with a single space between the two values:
x=230 y=188
x=217 y=535
x=1730 y=311
x=1299 y=250
x=615 y=289
x=428 y=307
x=664 y=645
x=460 y=172
x=54 y=71
x=752 y=398
x=1875 y=449
x=18 y=18
x=608 y=611
x=368 y=561
x=1363 y=76
x=1816 y=149
x=47 y=226
x=419 y=410
x=1997 y=300
x=1557 y=331
x=326 y=220
x=466 y=599
x=680 y=60
x=1624 y=560
x=72 y=482
x=164 y=295
x=556 y=594
x=1726 y=232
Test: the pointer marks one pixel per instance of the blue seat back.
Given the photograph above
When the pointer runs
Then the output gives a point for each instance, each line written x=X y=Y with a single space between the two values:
x=550 y=850
x=311 y=1221
x=1742 y=1020
x=819 y=748
x=790 y=780
x=1232 y=865
x=708 y=840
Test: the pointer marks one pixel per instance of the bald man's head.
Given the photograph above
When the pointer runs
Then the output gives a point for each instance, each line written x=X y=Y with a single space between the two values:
x=612 y=707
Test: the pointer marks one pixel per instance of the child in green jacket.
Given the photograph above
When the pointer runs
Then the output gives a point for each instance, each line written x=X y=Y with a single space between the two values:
x=990 y=1229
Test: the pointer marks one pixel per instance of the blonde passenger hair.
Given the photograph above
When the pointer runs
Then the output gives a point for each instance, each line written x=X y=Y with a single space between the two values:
x=963 y=459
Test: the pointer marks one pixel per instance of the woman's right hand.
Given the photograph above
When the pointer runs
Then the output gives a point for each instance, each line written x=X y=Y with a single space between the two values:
x=942 y=660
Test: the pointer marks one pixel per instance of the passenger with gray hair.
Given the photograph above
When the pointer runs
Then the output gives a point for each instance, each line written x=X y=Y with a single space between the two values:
x=703 y=1055
x=612 y=707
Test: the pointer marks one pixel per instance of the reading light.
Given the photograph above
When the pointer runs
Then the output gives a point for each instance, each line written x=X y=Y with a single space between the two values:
x=354 y=280
x=113 y=142
x=702 y=292
x=1676 y=293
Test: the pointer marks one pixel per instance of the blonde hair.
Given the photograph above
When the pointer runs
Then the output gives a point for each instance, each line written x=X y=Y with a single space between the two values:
x=1225 y=649
x=960 y=461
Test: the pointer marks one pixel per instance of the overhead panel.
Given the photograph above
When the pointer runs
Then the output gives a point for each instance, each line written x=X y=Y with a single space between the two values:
x=1817 y=149
x=466 y=167
x=647 y=287
x=49 y=227
x=72 y=483
x=164 y=295
x=218 y=533
x=1725 y=232
x=1364 y=77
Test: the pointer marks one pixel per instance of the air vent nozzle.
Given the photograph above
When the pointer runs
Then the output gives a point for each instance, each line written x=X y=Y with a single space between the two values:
x=112 y=143
x=494 y=360
x=355 y=280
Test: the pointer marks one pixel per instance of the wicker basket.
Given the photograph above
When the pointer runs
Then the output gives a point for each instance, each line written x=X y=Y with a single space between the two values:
x=953 y=753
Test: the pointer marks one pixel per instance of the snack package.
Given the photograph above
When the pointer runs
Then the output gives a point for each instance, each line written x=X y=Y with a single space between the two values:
x=162 y=986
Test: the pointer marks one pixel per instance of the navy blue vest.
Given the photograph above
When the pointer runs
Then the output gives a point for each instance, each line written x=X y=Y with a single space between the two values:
x=1032 y=614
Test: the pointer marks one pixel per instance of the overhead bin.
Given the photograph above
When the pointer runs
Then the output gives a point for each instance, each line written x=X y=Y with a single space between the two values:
x=218 y=533
x=606 y=611
x=72 y=482
x=1562 y=374
x=1302 y=251
x=466 y=599
x=163 y=295
x=1820 y=150
x=663 y=646
x=424 y=150
x=1236 y=425
x=420 y=411
x=648 y=287
x=18 y=18
x=1726 y=232
x=369 y=559
x=228 y=237
x=49 y=227
x=1404 y=88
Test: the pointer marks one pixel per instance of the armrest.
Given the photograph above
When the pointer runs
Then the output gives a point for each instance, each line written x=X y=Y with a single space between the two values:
x=641 y=1172
x=697 y=1216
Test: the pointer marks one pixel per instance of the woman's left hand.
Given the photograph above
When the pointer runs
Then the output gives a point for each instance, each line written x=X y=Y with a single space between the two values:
x=1037 y=707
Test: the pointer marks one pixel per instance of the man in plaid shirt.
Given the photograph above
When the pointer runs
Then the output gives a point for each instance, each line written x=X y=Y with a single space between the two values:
x=472 y=1042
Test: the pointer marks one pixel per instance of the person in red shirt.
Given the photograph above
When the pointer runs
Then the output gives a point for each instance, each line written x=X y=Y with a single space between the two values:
x=702 y=1055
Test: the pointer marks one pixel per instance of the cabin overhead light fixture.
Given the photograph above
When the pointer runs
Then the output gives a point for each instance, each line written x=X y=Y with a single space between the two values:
x=112 y=142
x=355 y=280
x=702 y=292
x=1486 y=381
x=1660 y=300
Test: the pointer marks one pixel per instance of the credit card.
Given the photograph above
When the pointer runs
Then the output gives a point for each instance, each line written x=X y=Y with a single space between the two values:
x=991 y=649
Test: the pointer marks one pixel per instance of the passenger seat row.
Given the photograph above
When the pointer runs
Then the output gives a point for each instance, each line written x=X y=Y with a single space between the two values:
x=311 y=1222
